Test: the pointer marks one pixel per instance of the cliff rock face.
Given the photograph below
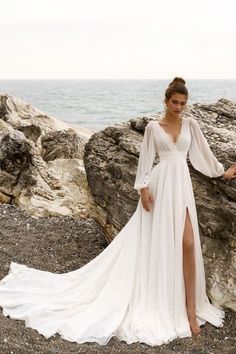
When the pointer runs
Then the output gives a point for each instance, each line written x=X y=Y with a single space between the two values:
x=41 y=162
x=111 y=158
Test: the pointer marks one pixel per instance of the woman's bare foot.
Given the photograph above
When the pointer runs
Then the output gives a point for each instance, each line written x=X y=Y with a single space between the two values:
x=193 y=322
x=194 y=326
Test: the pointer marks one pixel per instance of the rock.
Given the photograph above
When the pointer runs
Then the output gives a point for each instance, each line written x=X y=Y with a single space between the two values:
x=4 y=199
x=111 y=158
x=62 y=144
x=41 y=162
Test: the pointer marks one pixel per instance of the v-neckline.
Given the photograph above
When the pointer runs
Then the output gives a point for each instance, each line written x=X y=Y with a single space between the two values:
x=169 y=135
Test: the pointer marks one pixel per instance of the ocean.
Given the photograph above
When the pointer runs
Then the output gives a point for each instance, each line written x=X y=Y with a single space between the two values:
x=96 y=104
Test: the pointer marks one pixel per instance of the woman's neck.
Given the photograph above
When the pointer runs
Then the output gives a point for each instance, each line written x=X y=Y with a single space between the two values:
x=172 y=118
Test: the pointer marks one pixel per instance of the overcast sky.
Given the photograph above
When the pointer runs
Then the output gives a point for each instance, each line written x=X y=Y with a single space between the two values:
x=117 y=39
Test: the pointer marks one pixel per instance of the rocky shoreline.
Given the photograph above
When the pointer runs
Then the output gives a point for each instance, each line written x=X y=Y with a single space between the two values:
x=62 y=244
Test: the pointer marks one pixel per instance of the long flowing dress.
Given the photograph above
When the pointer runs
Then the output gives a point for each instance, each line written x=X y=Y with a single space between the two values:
x=134 y=289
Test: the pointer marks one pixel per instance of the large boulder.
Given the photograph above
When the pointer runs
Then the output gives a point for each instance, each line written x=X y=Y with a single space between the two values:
x=111 y=158
x=41 y=162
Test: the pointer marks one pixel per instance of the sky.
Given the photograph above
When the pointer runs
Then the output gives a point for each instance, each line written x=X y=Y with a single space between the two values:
x=117 y=39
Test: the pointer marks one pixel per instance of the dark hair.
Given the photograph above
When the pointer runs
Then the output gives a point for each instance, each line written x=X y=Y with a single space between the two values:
x=176 y=86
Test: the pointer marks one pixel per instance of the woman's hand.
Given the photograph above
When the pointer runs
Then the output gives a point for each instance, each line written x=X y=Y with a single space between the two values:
x=230 y=173
x=146 y=198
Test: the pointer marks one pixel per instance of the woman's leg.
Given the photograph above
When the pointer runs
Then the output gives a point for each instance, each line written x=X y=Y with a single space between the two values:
x=189 y=273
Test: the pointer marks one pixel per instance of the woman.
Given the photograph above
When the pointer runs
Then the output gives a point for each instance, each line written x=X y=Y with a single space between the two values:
x=148 y=284
x=175 y=99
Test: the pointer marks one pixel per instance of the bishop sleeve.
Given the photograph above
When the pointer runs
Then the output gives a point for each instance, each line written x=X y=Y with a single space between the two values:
x=146 y=158
x=200 y=154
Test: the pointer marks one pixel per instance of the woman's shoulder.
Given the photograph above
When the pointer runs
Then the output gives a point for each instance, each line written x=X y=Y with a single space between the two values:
x=191 y=121
x=151 y=124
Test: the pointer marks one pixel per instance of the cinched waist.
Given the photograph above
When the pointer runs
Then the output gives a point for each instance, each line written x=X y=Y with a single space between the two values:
x=172 y=155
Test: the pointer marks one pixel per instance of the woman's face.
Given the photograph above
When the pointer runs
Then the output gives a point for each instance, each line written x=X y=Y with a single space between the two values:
x=176 y=104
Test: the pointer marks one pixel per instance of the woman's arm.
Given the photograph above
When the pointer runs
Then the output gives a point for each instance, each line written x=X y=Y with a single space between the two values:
x=200 y=154
x=145 y=163
x=146 y=158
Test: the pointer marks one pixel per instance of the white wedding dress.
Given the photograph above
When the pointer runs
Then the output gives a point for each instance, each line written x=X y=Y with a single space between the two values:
x=134 y=289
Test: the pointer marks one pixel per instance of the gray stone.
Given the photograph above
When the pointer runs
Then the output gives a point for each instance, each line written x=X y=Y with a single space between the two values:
x=41 y=162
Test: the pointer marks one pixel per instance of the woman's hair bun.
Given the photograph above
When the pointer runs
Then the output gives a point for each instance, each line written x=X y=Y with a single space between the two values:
x=176 y=86
x=177 y=81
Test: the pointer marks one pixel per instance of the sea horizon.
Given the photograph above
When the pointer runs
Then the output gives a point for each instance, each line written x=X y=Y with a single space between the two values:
x=98 y=103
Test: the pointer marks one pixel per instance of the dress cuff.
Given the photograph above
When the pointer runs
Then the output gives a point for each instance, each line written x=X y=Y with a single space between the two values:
x=144 y=184
x=221 y=170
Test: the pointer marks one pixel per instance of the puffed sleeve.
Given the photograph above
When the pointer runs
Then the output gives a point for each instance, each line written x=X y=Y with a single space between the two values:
x=200 y=154
x=146 y=158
